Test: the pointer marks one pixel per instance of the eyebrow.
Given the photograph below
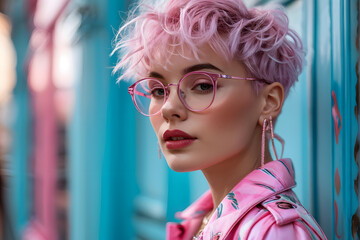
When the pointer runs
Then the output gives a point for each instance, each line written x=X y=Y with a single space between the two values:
x=193 y=68
x=156 y=75
x=202 y=66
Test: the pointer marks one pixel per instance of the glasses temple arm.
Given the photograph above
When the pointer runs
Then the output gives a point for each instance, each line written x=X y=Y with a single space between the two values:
x=244 y=78
x=239 y=78
x=134 y=91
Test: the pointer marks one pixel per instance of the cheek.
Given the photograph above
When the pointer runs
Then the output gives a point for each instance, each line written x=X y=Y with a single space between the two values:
x=234 y=118
x=236 y=107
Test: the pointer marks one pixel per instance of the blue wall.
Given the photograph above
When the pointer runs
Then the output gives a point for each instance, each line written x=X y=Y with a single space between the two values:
x=19 y=198
x=102 y=143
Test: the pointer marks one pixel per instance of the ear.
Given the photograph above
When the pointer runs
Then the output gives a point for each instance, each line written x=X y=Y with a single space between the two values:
x=272 y=101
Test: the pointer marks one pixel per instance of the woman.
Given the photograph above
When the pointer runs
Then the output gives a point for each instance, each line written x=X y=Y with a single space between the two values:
x=213 y=76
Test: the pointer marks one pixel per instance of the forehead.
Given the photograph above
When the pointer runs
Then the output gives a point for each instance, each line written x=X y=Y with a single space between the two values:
x=182 y=57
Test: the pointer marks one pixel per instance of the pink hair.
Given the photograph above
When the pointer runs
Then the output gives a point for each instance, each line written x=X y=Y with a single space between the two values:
x=259 y=38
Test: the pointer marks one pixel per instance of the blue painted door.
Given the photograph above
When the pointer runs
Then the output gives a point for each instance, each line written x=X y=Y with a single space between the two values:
x=332 y=40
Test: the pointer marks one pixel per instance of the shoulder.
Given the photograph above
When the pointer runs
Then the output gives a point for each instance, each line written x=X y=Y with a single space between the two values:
x=279 y=218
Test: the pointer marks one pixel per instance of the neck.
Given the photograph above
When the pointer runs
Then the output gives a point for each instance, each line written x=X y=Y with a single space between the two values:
x=224 y=176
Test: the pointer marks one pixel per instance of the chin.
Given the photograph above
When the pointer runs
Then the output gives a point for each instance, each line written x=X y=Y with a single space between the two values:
x=181 y=165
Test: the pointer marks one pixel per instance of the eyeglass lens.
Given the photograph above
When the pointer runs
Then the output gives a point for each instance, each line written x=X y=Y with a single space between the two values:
x=196 y=92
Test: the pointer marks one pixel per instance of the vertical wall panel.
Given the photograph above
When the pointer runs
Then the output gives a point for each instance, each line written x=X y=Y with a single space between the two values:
x=333 y=69
x=321 y=118
x=353 y=7
x=20 y=190
x=151 y=175
x=88 y=142
x=337 y=79
x=343 y=87
x=118 y=175
x=293 y=122
x=102 y=164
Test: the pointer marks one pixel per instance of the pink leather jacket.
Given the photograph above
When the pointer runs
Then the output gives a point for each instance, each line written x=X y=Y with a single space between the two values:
x=260 y=206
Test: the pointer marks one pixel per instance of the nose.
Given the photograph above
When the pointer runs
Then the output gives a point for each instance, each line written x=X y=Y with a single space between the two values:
x=173 y=108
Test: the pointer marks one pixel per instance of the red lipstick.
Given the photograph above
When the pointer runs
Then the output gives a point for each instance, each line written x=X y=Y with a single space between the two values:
x=176 y=139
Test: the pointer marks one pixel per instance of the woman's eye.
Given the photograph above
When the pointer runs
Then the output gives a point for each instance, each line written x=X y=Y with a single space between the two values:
x=157 y=92
x=203 y=87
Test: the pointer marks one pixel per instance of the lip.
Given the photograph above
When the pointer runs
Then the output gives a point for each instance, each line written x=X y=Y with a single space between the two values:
x=177 y=144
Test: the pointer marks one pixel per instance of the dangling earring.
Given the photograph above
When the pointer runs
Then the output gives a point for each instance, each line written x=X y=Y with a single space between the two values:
x=263 y=143
x=274 y=135
x=266 y=127
x=159 y=149
x=272 y=138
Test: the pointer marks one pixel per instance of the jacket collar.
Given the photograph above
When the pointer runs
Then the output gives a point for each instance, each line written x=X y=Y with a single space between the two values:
x=257 y=186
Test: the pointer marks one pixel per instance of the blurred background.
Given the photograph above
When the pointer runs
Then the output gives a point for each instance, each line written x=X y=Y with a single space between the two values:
x=78 y=162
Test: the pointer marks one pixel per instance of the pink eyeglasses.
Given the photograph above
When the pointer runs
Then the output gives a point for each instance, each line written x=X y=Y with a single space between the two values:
x=196 y=90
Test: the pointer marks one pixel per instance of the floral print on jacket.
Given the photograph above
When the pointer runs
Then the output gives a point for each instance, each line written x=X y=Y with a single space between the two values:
x=260 y=206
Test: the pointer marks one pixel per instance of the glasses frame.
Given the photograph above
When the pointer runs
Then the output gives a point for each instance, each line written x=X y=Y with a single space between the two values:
x=213 y=76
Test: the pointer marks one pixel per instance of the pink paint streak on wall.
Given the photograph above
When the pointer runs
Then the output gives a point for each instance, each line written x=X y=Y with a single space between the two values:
x=44 y=154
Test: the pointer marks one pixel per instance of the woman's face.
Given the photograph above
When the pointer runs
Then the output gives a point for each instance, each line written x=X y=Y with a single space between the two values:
x=219 y=133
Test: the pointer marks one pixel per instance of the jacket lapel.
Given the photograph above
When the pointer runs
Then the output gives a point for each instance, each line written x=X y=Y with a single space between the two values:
x=256 y=187
x=262 y=183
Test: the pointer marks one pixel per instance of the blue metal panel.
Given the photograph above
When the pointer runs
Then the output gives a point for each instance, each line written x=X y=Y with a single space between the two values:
x=103 y=179
x=178 y=199
x=20 y=189
x=353 y=23
x=88 y=141
x=293 y=122
x=118 y=180
x=333 y=68
x=152 y=177
x=337 y=72
x=343 y=84
x=321 y=119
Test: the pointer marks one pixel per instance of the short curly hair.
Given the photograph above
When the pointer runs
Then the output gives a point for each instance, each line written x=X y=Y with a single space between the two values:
x=259 y=38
